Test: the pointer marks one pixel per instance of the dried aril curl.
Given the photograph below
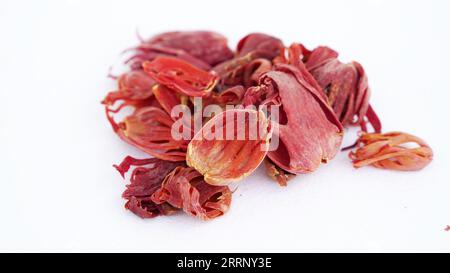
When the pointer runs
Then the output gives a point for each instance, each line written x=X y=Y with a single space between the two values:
x=145 y=179
x=345 y=85
x=391 y=151
x=149 y=129
x=185 y=188
x=181 y=76
x=277 y=173
x=207 y=46
x=202 y=49
x=309 y=132
x=132 y=86
x=226 y=150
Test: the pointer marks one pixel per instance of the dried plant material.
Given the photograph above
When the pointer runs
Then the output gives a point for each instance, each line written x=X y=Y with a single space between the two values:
x=308 y=137
x=167 y=97
x=185 y=188
x=277 y=174
x=230 y=96
x=200 y=48
x=181 y=76
x=133 y=86
x=390 y=151
x=226 y=150
x=254 y=56
x=265 y=45
x=149 y=129
x=145 y=179
x=193 y=107
x=345 y=85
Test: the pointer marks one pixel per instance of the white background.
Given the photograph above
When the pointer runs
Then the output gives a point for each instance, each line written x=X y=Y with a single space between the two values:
x=60 y=193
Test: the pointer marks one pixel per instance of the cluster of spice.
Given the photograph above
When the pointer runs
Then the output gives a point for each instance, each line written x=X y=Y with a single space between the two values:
x=316 y=94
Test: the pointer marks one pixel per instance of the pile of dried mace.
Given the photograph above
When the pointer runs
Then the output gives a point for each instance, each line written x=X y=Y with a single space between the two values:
x=263 y=102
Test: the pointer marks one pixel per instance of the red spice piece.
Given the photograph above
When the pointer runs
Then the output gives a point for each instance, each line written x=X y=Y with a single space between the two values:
x=264 y=44
x=145 y=179
x=181 y=76
x=210 y=47
x=185 y=188
x=133 y=86
x=345 y=85
x=277 y=174
x=223 y=159
x=168 y=98
x=149 y=129
x=149 y=52
x=447 y=228
x=309 y=131
x=389 y=151
x=232 y=72
x=202 y=49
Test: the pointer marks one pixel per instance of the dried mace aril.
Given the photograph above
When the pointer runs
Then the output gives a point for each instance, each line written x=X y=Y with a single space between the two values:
x=309 y=132
x=185 y=188
x=145 y=179
x=149 y=129
x=345 y=85
x=181 y=76
x=390 y=151
x=277 y=173
x=226 y=150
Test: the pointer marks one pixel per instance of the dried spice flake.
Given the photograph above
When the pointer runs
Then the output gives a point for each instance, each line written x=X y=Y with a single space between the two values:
x=390 y=151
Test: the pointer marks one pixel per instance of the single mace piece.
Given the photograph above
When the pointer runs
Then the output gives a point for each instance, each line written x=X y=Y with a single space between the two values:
x=389 y=151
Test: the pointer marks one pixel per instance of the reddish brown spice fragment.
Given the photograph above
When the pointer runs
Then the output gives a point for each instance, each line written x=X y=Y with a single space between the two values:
x=253 y=58
x=207 y=46
x=202 y=49
x=145 y=179
x=277 y=174
x=230 y=96
x=181 y=76
x=316 y=93
x=263 y=44
x=389 y=151
x=226 y=151
x=185 y=188
x=345 y=85
x=133 y=86
x=167 y=98
x=149 y=129
x=148 y=52
x=447 y=228
x=308 y=137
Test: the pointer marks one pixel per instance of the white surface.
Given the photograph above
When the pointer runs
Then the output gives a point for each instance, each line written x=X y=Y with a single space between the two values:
x=60 y=193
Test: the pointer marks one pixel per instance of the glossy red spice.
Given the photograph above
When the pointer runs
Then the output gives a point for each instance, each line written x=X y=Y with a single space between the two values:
x=346 y=87
x=390 y=151
x=207 y=46
x=181 y=76
x=185 y=188
x=266 y=45
x=308 y=137
x=254 y=56
x=159 y=187
x=277 y=173
x=202 y=49
x=132 y=86
x=145 y=179
x=230 y=157
x=149 y=129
